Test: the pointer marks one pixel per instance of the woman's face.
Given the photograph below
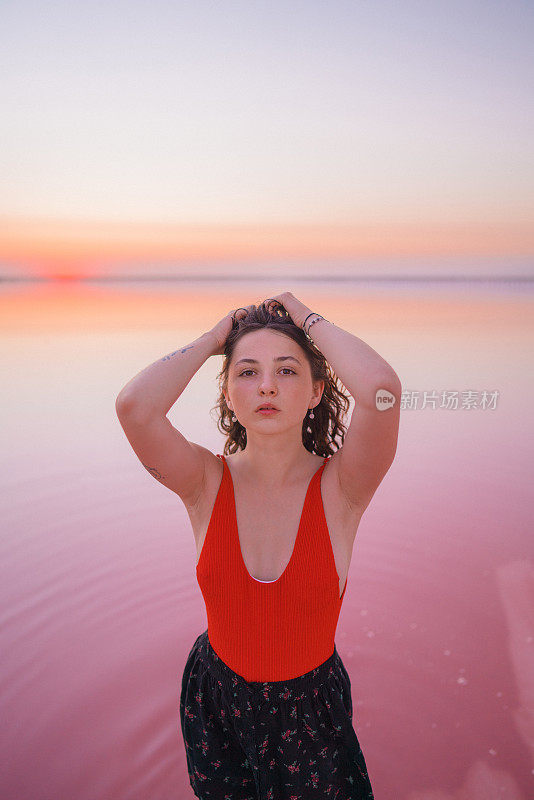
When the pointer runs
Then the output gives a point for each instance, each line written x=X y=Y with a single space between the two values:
x=270 y=367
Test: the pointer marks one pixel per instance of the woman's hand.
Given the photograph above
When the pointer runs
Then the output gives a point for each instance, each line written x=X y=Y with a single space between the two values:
x=296 y=310
x=221 y=330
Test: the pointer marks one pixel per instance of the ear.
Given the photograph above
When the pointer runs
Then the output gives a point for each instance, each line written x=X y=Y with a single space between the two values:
x=318 y=388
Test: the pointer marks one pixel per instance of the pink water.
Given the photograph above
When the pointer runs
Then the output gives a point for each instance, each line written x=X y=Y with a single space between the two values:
x=99 y=601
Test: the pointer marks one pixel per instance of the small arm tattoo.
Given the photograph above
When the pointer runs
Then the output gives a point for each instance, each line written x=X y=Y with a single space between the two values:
x=156 y=473
x=183 y=350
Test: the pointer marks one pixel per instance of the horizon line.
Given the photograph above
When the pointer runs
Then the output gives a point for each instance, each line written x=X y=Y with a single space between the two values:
x=120 y=278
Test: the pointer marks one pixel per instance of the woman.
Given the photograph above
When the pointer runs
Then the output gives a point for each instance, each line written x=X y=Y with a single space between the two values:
x=265 y=706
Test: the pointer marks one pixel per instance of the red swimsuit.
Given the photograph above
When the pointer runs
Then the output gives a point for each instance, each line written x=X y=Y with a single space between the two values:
x=270 y=630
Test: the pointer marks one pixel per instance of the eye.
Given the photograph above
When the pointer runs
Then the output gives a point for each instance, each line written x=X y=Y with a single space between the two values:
x=251 y=370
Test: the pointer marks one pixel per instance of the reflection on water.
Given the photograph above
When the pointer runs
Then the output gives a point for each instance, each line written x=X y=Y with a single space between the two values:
x=99 y=601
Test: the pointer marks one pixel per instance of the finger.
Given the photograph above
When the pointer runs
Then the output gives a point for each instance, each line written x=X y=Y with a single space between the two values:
x=271 y=303
x=236 y=314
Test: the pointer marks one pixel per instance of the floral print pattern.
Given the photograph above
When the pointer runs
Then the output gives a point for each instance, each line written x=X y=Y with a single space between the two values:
x=278 y=740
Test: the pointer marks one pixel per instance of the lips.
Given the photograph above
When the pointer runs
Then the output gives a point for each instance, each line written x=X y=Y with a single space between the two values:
x=267 y=406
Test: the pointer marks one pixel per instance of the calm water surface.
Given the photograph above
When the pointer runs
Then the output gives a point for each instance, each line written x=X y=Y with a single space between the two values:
x=100 y=604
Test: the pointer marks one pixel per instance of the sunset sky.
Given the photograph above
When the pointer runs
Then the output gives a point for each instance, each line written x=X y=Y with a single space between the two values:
x=177 y=136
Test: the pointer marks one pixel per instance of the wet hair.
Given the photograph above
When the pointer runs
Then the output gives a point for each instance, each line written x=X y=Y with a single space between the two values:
x=327 y=423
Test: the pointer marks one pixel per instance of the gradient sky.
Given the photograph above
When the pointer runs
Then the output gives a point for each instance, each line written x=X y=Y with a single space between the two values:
x=265 y=130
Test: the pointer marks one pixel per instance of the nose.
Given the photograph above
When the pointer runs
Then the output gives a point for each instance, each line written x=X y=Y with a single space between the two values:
x=267 y=385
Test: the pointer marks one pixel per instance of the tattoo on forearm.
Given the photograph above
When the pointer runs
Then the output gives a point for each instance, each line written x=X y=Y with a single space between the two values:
x=153 y=471
x=183 y=350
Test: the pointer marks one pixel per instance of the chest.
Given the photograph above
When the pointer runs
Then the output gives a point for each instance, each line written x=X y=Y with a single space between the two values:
x=268 y=526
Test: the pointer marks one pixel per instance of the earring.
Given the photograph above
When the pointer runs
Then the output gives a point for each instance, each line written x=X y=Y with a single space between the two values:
x=234 y=418
x=311 y=417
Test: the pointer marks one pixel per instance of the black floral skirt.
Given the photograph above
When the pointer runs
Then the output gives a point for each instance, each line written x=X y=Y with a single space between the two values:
x=278 y=740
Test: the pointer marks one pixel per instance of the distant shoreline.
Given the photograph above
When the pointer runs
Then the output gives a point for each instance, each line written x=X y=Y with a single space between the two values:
x=268 y=277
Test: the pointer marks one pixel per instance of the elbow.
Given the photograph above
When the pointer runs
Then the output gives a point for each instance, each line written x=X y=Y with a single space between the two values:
x=120 y=403
x=131 y=409
x=379 y=391
x=124 y=405
x=387 y=392
x=390 y=381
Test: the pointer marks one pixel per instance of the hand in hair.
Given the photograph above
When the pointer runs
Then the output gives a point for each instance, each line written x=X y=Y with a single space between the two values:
x=296 y=310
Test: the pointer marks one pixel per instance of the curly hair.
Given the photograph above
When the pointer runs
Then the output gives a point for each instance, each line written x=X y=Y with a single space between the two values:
x=318 y=433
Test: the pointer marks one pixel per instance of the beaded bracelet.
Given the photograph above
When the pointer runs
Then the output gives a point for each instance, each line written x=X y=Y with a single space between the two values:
x=318 y=319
